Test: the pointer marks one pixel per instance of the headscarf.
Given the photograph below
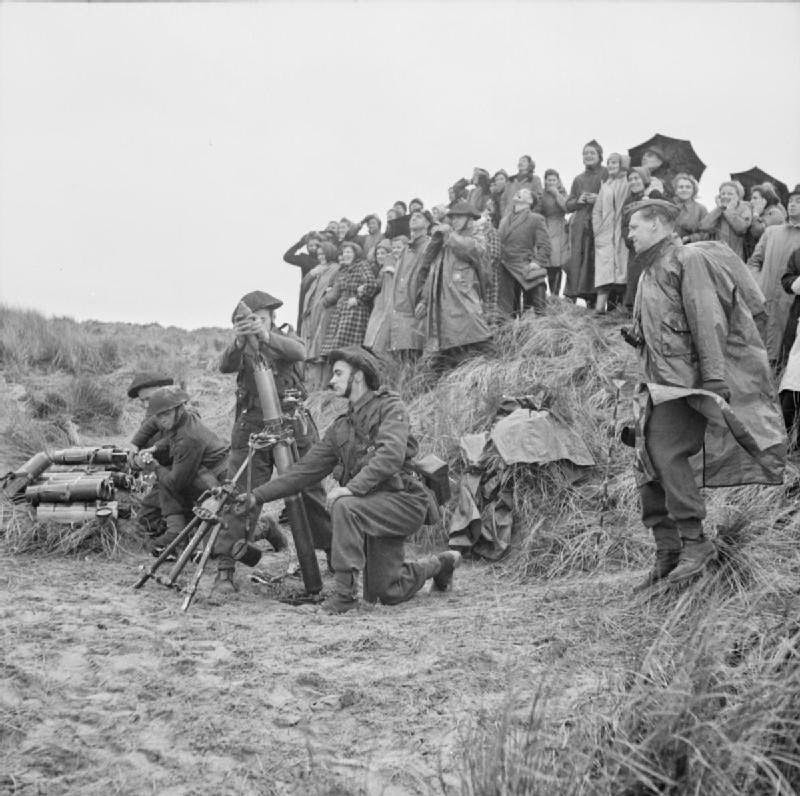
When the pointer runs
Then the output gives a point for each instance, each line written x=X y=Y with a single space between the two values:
x=643 y=172
x=624 y=161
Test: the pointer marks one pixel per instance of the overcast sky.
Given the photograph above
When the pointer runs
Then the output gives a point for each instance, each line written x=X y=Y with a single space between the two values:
x=157 y=160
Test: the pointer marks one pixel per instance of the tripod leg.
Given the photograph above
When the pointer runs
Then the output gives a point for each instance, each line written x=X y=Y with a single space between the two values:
x=187 y=553
x=165 y=553
x=201 y=567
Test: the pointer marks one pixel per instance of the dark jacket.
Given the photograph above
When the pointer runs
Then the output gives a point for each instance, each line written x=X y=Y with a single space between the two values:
x=524 y=239
x=192 y=446
x=787 y=280
x=305 y=262
x=368 y=449
x=284 y=354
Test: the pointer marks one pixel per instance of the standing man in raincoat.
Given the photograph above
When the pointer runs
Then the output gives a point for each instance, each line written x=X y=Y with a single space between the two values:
x=708 y=387
x=457 y=282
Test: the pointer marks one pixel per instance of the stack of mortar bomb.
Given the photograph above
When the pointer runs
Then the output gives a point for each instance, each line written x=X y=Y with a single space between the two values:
x=69 y=494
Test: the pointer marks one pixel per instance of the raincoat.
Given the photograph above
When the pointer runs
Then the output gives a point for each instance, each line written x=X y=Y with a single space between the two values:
x=729 y=225
x=768 y=263
x=378 y=334
x=580 y=267
x=553 y=210
x=697 y=327
x=459 y=271
x=317 y=308
x=687 y=224
x=610 y=251
x=408 y=331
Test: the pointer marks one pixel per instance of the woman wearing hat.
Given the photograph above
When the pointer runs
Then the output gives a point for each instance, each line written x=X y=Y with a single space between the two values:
x=655 y=161
x=355 y=289
x=581 y=199
x=729 y=221
x=611 y=253
x=317 y=312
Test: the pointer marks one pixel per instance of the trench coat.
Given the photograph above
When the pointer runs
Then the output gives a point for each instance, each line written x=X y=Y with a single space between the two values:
x=408 y=331
x=610 y=251
x=728 y=226
x=768 y=263
x=379 y=327
x=318 y=305
x=458 y=274
x=580 y=267
x=348 y=324
x=697 y=327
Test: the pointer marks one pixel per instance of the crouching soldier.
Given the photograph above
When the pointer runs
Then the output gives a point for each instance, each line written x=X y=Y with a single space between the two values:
x=284 y=353
x=379 y=503
x=198 y=460
x=149 y=436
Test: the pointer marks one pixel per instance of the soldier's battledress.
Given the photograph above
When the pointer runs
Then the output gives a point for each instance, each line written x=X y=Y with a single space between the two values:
x=369 y=450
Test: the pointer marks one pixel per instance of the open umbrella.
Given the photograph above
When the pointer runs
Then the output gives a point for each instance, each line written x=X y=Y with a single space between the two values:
x=756 y=176
x=679 y=154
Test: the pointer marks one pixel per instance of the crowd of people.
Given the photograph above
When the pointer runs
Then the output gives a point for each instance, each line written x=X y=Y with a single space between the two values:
x=443 y=278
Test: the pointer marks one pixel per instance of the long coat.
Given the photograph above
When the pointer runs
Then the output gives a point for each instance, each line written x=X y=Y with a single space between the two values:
x=697 y=327
x=318 y=305
x=610 y=251
x=453 y=292
x=408 y=331
x=553 y=210
x=687 y=224
x=348 y=324
x=768 y=263
x=524 y=239
x=580 y=268
x=378 y=333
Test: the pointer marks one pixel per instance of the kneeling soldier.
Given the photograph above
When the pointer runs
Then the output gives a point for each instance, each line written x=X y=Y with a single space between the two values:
x=199 y=461
x=379 y=503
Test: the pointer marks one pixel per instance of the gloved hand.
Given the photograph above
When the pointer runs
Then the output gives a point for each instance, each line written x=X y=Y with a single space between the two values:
x=718 y=387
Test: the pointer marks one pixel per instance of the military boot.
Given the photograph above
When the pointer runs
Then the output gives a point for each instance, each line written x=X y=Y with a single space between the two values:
x=695 y=556
x=224 y=583
x=666 y=561
x=345 y=594
x=448 y=562
x=174 y=523
x=273 y=534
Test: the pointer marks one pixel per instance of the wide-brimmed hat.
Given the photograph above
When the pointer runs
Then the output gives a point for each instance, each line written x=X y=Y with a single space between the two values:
x=462 y=208
x=361 y=359
x=146 y=379
x=670 y=209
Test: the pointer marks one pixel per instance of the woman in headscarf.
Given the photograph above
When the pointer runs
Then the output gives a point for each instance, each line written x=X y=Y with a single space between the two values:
x=317 y=309
x=581 y=199
x=378 y=334
x=553 y=206
x=610 y=251
x=687 y=224
x=356 y=286
x=767 y=211
x=730 y=219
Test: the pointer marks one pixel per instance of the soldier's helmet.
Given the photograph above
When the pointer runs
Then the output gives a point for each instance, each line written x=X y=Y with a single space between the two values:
x=361 y=359
x=148 y=378
x=165 y=399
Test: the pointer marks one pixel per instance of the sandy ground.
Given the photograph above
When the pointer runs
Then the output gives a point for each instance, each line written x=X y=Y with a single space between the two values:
x=107 y=690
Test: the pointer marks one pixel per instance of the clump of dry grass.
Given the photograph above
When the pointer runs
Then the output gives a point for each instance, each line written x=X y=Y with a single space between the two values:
x=22 y=533
x=96 y=404
x=25 y=436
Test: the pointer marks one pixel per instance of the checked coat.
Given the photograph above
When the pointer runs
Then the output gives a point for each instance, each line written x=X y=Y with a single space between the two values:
x=348 y=324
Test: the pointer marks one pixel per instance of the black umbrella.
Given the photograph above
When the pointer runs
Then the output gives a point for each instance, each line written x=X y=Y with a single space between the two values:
x=679 y=155
x=756 y=176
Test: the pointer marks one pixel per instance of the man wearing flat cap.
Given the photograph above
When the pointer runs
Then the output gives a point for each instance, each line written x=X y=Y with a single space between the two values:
x=459 y=279
x=379 y=501
x=709 y=415
x=284 y=353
